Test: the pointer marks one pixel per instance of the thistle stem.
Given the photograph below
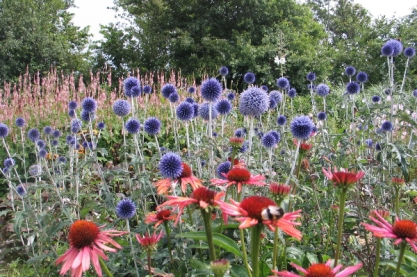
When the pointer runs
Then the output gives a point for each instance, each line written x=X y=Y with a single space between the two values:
x=131 y=247
x=340 y=224
x=400 y=258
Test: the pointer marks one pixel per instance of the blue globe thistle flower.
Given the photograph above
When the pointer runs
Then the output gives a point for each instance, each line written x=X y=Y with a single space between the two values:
x=132 y=126
x=378 y=146
x=147 y=89
x=42 y=153
x=314 y=130
x=4 y=130
x=72 y=105
x=56 y=133
x=152 y=126
x=41 y=144
x=9 y=162
x=362 y=77
x=71 y=113
x=249 y=78
x=35 y=170
x=239 y=133
x=292 y=93
x=223 y=71
x=174 y=97
x=387 y=50
x=203 y=111
x=126 y=209
x=282 y=152
x=276 y=95
x=302 y=127
x=85 y=144
x=387 y=91
x=20 y=122
x=353 y=88
x=321 y=116
x=396 y=45
x=21 y=190
x=33 y=134
x=62 y=159
x=168 y=89
x=135 y=91
x=276 y=135
x=86 y=116
x=265 y=88
x=244 y=147
x=101 y=125
x=214 y=134
x=211 y=90
x=409 y=52
x=283 y=83
x=189 y=100
x=281 y=120
x=223 y=107
x=47 y=130
x=376 y=98
x=130 y=83
x=368 y=142
x=191 y=90
x=170 y=166
x=68 y=139
x=54 y=142
x=185 y=111
x=223 y=168
x=386 y=126
x=272 y=104
x=89 y=104
x=253 y=102
x=311 y=76
x=231 y=96
x=311 y=87
x=268 y=141
x=121 y=107
x=76 y=125
x=196 y=109
x=350 y=71
x=322 y=90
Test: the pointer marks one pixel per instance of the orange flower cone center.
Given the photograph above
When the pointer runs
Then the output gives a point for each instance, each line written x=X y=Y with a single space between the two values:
x=186 y=171
x=405 y=229
x=239 y=175
x=254 y=205
x=204 y=194
x=163 y=215
x=83 y=233
x=319 y=270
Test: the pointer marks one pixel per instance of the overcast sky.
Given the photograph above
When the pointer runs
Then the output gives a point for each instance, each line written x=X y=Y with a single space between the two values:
x=95 y=12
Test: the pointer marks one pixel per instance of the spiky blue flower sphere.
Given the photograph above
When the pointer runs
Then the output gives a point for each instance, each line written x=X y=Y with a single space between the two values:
x=239 y=133
x=276 y=95
x=350 y=71
x=147 y=89
x=128 y=84
x=4 y=130
x=396 y=45
x=387 y=91
x=223 y=107
x=231 y=96
x=353 y=88
x=170 y=166
x=132 y=126
x=211 y=90
x=253 y=102
x=272 y=103
x=33 y=134
x=71 y=113
x=56 y=133
x=276 y=134
x=244 y=147
x=268 y=140
x=42 y=153
x=379 y=146
x=203 y=111
x=281 y=120
x=41 y=144
x=185 y=111
x=152 y=126
x=191 y=90
x=368 y=142
x=376 y=98
x=223 y=71
x=135 y=91
x=89 y=104
x=362 y=77
x=283 y=83
x=409 y=52
x=387 y=50
x=249 y=78
x=9 y=162
x=20 y=122
x=126 y=209
x=54 y=142
x=174 y=97
x=101 y=125
x=311 y=76
x=223 y=168
x=322 y=90
x=72 y=105
x=311 y=87
x=189 y=100
x=302 y=127
x=196 y=109
x=292 y=93
x=21 y=190
x=62 y=159
x=386 y=126
x=265 y=88
x=68 y=139
x=168 y=89
x=321 y=116
x=86 y=116
x=47 y=130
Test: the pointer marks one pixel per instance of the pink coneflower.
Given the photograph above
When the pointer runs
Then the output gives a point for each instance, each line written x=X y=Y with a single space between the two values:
x=281 y=190
x=239 y=176
x=160 y=217
x=397 y=181
x=187 y=177
x=343 y=179
x=304 y=147
x=87 y=244
x=148 y=241
x=259 y=209
x=319 y=270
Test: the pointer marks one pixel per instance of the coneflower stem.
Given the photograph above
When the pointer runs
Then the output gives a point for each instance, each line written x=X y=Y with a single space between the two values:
x=209 y=233
x=245 y=255
x=275 y=253
x=255 y=241
x=104 y=267
x=377 y=254
x=168 y=232
x=340 y=224
x=400 y=258
x=150 y=262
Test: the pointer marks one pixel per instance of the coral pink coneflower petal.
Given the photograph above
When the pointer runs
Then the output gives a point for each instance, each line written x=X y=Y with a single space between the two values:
x=349 y=270
x=246 y=222
x=86 y=258
x=96 y=263
x=69 y=258
x=285 y=274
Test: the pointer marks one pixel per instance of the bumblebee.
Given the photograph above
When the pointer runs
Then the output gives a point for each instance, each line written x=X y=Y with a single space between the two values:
x=272 y=213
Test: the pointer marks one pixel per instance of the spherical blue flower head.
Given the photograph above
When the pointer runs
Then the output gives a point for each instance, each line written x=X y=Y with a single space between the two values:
x=244 y=147
x=276 y=95
x=387 y=91
x=86 y=116
x=168 y=89
x=362 y=77
x=265 y=88
x=214 y=134
x=283 y=83
x=386 y=126
x=152 y=126
x=101 y=125
x=20 y=122
x=69 y=138
x=311 y=87
x=128 y=84
x=4 y=130
x=409 y=52
x=9 y=162
x=281 y=120
x=56 y=133
x=54 y=142
x=62 y=159
x=174 y=97
x=249 y=78
x=223 y=168
x=321 y=116
x=126 y=209
x=322 y=90
x=121 y=107
x=196 y=109
x=211 y=90
x=387 y=50
x=396 y=45
x=41 y=144
x=135 y=91
x=276 y=135
x=378 y=146
x=311 y=76
x=253 y=102
x=282 y=152
x=292 y=93
x=189 y=100
x=353 y=88
x=85 y=144
x=170 y=166
x=376 y=98
x=301 y=127
x=21 y=190
x=203 y=111
x=132 y=126
x=272 y=104
x=147 y=89
x=185 y=111
x=368 y=142
x=239 y=133
x=223 y=71
x=191 y=90
x=71 y=113
x=72 y=105
x=231 y=96
x=350 y=71
x=223 y=107
x=47 y=130
x=89 y=104
x=268 y=141
x=35 y=170
x=76 y=125
x=314 y=130
x=42 y=153
x=33 y=134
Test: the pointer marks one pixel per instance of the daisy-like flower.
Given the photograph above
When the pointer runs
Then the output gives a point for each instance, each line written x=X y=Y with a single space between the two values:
x=148 y=241
x=202 y=197
x=397 y=181
x=239 y=176
x=343 y=179
x=186 y=177
x=160 y=217
x=319 y=270
x=401 y=230
x=255 y=210
x=86 y=245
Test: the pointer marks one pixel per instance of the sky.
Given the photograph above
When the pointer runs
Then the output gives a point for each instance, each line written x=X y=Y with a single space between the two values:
x=95 y=12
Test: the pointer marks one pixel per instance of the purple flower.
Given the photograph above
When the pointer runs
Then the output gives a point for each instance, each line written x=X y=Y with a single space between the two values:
x=350 y=71
x=191 y=90
x=302 y=127
x=253 y=102
x=101 y=125
x=211 y=90
x=174 y=97
x=322 y=90
x=409 y=52
x=135 y=91
x=265 y=88
x=223 y=71
x=276 y=95
x=203 y=111
x=276 y=135
x=47 y=130
x=130 y=83
x=387 y=50
x=132 y=126
x=396 y=46
x=223 y=168
x=72 y=105
x=4 y=130
x=121 y=107
x=292 y=93
x=268 y=141
x=223 y=107
x=126 y=209
x=281 y=120
x=311 y=76
x=272 y=103
x=386 y=126
x=41 y=144
x=147 y=89
x=20 y=122
x=152 y=126
x=56 y=133
x=170 y=166
x=167 y=89
x=362 y=77
x=376 y=98
x=185 y=111
x=283 y=83
x=353 y=88
x=231 y=96
x=321 y=116
x=249 y=78
x=89 y=105
x=33 y=134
